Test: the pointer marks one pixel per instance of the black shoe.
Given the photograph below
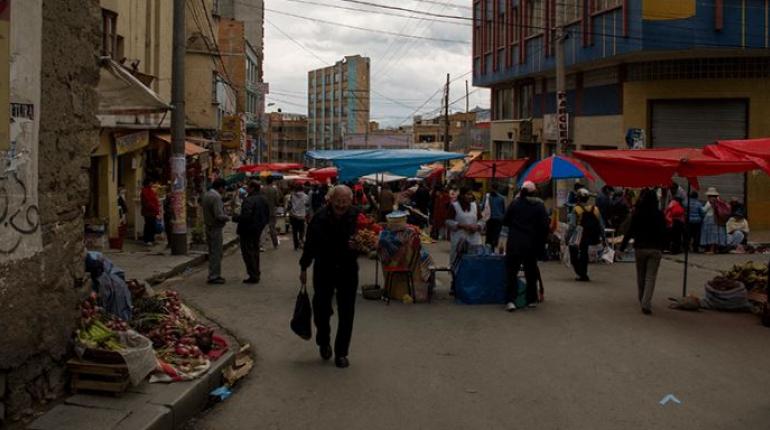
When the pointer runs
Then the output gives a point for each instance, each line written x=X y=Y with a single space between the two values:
x=326 y=352
x=583 y=279
x=647 y=311
x=251 y=281
x=341 y=362
x=219 y=280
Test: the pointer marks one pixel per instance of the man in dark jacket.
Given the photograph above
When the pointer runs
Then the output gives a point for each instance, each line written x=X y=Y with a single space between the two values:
x=527 y=222
x=215 y=218
x=327 y=245
x=255 y=214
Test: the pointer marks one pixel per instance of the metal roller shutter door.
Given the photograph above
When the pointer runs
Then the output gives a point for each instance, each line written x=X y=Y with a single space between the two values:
x=697 y=123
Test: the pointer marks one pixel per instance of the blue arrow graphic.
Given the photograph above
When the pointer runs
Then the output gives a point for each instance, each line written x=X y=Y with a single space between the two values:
x=670 y=398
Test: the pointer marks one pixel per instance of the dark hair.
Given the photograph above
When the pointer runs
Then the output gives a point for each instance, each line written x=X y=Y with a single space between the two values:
x=578 y=186
x=270 y=180
x=495 y=187
x=219 y=183
x=254 y=185
x=647 y=204
x=464 y=191
x=694 y=195
x=147 y=182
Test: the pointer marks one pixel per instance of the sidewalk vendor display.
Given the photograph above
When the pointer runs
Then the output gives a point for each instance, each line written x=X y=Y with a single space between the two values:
x=135 y=333
x=405 y=263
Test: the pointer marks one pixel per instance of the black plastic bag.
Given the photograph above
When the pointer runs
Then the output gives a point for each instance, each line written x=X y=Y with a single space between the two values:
x=301 y=322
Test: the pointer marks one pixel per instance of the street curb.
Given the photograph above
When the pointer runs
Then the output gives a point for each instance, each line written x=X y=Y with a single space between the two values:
x=194 y=262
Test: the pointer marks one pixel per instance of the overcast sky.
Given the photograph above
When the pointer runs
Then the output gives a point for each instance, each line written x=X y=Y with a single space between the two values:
x=406 y=70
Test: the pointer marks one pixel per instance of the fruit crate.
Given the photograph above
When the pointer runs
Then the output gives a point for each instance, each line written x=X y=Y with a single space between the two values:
x=99 y=377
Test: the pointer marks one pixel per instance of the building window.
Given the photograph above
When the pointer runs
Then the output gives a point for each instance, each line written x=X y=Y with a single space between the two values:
x=502 y=32
x=477 y=28
x=573 y=10
x=488 y=28
x=523 y=97
x=109 y=34
x=503 y=104
x=535 y=23
x=601 y=5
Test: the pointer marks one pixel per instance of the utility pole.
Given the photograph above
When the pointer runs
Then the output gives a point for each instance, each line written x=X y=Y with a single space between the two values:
x=178 y=192
x=467 y=99
x=446 y=115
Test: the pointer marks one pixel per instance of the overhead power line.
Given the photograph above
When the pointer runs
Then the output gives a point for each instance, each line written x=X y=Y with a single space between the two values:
x=372 y=30
x=376 y=12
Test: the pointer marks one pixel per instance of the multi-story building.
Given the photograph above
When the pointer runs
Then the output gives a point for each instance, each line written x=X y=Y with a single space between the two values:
x=338 y=102
x=241 y=61
x=251 y=16
x=138 y=58
x=652 y=73
x=286 y=137
x=429 y=133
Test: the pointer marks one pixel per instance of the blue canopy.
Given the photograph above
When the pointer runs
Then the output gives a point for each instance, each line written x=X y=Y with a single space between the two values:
x=354 y=163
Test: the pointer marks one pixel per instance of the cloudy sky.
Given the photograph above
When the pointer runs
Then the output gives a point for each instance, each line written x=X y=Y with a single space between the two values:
x=405 y=72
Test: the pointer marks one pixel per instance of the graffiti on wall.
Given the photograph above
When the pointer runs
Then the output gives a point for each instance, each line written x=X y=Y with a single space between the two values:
x=19 y=213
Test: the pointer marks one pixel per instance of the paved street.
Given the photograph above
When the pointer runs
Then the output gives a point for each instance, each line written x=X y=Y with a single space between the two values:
x=587 y=358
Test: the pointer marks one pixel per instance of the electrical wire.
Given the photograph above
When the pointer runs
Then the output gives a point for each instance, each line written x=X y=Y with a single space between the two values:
x=374 y=12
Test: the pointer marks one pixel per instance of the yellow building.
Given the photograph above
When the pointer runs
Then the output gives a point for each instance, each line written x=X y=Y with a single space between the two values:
x=134 y=90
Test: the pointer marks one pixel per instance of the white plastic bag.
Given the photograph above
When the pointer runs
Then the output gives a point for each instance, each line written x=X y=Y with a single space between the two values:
x=608 y=255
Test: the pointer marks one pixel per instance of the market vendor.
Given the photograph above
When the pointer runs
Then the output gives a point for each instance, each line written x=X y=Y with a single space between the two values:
x=464 y=222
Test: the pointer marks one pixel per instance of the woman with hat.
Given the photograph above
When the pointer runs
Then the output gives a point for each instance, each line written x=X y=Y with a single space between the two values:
x=713 y=234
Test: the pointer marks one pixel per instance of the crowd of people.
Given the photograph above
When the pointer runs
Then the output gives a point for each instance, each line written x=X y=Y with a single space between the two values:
x=322 y=220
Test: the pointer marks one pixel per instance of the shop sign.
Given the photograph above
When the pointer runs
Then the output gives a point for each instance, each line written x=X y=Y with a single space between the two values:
x=230 y=134
x=131 y=142
x=562 y=121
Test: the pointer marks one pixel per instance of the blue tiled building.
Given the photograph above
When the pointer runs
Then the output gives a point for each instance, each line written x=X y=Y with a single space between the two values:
x=667 y=72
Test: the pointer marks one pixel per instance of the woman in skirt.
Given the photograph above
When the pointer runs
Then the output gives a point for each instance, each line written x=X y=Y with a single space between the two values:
x=713 y=236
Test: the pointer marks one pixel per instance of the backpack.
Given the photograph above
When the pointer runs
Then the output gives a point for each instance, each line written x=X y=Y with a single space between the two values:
x=722 y=212
x=592 y=228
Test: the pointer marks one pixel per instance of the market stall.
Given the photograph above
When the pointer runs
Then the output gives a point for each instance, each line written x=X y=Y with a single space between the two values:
x=658 y=168
x=129 y=332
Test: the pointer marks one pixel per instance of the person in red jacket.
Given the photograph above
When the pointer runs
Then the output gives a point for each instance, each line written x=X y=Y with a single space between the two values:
x=150 y=211
x=675 y=221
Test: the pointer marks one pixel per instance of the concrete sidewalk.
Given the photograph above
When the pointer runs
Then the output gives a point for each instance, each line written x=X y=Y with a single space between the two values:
x=147 y=406
x=156 y=264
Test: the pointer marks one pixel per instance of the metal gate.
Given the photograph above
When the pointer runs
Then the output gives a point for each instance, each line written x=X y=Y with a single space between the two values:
x=697 y=123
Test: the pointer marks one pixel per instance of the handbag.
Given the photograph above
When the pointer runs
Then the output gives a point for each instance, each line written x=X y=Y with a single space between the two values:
x=577 y=236
x=301 y=321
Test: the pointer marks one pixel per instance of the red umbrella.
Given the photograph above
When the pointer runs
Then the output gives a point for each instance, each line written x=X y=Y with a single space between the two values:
x=490 y=169
x=269 y=167
x=556 y=167
x=323 y=174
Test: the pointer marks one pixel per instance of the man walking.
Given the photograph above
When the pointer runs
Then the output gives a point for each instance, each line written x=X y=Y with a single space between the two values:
x=494 y=205
x=335 y=270
x=214 y=218
x=528 y=226
x=591 y=232
x=299 y=205
x=252 y=220
x=150 y=211
x=273 y=198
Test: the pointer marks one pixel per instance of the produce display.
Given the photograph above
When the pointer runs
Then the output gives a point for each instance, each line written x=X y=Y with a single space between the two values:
x=752 y=275
x=93 y=332
x=177 y=337
x=183 y=346
x=365 y=241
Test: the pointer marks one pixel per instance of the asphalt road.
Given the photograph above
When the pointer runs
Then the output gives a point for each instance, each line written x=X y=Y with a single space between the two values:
x=585 y=359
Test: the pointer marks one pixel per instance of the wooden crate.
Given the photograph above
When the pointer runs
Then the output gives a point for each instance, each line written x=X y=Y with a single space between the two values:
x=93 y=376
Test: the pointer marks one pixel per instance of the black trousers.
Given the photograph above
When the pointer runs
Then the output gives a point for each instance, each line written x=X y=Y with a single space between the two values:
x=693 y=229
x=297 y=231
x=345 y=287
x=512 y=265
x=578 y=257
x=494 y=227
x=250 y=253
x=677 y=237
x=148 y=234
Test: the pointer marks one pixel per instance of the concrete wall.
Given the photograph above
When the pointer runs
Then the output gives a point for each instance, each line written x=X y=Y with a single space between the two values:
x=200 y=65
x=636 y=97
x=599 y=131
x=38 y=294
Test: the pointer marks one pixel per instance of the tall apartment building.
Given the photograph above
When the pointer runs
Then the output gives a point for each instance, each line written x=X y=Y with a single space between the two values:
x=286 y=137
x=338 y=102
x=657 y=72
